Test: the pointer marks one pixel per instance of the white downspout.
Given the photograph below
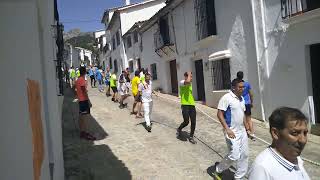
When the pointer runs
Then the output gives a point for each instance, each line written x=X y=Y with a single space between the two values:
x=258 y=59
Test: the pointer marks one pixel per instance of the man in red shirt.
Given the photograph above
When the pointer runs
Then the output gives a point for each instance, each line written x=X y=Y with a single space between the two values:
x=84 y=104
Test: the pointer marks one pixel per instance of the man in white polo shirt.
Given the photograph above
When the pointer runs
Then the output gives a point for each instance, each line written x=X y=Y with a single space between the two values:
x=288 y=128
x=231 y=109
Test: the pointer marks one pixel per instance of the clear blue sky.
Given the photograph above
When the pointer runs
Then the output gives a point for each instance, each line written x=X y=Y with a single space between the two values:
x=85 y=14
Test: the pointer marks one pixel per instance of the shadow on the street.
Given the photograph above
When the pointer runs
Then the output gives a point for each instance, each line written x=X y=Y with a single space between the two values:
x=226 y=175
x=83 y=160
x=183 y=136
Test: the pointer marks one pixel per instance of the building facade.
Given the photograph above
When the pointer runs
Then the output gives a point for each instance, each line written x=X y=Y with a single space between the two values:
x=120 y=20
x=202 y=36
x=31 y=92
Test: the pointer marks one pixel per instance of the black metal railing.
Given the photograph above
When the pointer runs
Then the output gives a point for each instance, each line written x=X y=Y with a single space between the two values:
x=60 y=45
x=290 y=8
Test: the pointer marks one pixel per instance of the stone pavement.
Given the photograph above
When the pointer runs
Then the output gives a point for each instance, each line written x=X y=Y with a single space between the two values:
x=125 y=150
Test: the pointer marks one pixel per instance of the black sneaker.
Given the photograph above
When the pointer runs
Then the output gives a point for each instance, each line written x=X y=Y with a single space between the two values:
x=192 y=141
x=149 y=128
x=178 y=133
x=112 y=99
x=216 y=175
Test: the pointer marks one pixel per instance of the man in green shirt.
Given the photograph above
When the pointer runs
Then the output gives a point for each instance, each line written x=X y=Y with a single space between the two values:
x=187 y=106
x=113 y=85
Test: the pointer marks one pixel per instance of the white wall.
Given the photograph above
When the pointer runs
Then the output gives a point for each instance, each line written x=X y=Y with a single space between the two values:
x=97 y=34
x=139 y=13
x=235 y=33
x=34 y=61
x=288 y=60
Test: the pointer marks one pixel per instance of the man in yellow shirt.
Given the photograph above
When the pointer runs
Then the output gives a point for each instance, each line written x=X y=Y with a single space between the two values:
x=135 y=92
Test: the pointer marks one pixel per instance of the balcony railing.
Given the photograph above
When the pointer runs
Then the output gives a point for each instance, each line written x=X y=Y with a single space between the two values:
x=161 y=40
x=290 y=8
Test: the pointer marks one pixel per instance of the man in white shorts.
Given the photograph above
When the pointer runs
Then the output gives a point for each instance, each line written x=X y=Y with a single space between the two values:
x=231 y=109
x=145 y=89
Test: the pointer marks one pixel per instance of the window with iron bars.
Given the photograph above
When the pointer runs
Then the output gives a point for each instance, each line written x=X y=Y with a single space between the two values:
x=113 y=43
x=118 y=38
x=131 y=66
x=205 y=18
x=129 y=43
x=154 y=71
x=110 y=63
x=220 y=74
x=290 y=8
x=135 y=37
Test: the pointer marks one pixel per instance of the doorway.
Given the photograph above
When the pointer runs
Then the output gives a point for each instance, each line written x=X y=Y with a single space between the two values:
x=139 y=63
x=200 y=80
x=315 y=75
x=174 y=77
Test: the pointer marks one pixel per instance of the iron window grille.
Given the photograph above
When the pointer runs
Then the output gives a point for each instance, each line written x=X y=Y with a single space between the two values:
x=118 y=38
x=290 y=8
x=205 y=18
x=135 y=37
x=129 y=43
x=220 y=74
x=154 y=71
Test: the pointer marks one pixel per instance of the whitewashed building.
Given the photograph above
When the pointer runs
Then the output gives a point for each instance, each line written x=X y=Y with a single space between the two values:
x=31 y=92
x=85 y=56
x=288 y=45
x=204 y=37
x=72 y=57
x=100 y=45
x=117 y=22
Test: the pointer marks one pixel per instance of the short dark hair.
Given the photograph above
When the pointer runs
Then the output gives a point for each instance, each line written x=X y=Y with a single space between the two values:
x=82 y=70
x=186 y=74
x=240 y=75
x=235 y=82
x=136 y=73
x=281 y=115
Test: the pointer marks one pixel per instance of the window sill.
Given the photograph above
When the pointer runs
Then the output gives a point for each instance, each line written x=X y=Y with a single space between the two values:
x=205 y=43
x=303 y=17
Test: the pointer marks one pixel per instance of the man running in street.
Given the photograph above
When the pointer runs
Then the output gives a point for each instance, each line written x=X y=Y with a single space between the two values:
x=72 y=75
x=137 y=98
x=231 y=109
x=146 y=96
x=107 y=81
x=123 y=90
x=248 y=99
x=84 y=105
x=113 y=86
x=99 y=78
x=92 y=77
x=187 y=106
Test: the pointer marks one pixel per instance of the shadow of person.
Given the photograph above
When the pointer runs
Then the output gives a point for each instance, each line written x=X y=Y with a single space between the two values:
x=183 y=136
x=144 y=124
x=94 y=128
x=226 y=175
x=82 y=158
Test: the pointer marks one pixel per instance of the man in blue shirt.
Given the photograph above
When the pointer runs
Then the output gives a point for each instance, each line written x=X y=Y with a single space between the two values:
x=92 y=77
x=99 y=78
x=107 y=81
x=248 y=99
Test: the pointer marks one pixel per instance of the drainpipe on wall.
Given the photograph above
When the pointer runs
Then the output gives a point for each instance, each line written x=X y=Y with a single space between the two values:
x=258 y=53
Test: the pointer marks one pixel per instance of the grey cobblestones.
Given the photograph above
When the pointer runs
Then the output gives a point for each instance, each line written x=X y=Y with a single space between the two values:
x=127 y=151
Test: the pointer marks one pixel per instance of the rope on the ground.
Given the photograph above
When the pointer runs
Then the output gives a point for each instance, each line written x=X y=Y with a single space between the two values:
x=260 y=139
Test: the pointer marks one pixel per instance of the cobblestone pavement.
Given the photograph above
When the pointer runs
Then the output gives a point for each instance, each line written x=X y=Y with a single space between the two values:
x=125 y=150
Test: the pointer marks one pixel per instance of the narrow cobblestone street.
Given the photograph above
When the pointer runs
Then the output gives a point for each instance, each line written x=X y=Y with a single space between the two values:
x=125 y=150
